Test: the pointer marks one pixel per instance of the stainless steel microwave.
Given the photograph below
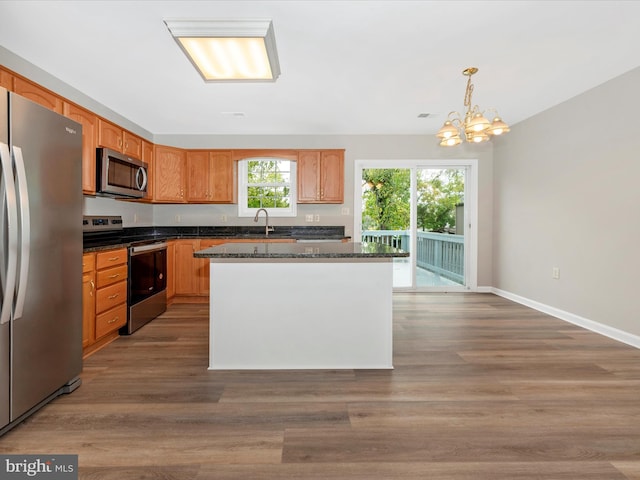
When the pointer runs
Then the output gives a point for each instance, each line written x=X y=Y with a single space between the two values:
x=120 y=175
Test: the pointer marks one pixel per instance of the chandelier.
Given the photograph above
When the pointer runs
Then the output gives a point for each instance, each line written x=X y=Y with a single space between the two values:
x=474 y=127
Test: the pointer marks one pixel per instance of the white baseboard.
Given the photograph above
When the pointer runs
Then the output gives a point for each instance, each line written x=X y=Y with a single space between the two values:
x=607 y=331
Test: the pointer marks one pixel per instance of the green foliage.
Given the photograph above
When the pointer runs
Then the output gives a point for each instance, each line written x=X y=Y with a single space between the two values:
x=386 y=194
x=439 y=191
x=267 y=184
x=386 y=198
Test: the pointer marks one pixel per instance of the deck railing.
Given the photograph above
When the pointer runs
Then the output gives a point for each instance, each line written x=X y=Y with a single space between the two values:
x=440 y=253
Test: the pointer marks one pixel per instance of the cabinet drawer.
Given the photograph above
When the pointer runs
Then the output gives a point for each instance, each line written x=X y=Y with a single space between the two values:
x=111 y=258
x=111 y=275
x=111 y=320
x=110 y=296
x=88 y=262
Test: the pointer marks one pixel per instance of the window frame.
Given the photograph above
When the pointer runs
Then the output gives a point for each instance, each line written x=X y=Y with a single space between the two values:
x=243 y=185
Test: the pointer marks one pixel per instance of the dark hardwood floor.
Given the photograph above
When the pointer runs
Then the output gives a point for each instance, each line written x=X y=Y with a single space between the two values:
x=483 y=388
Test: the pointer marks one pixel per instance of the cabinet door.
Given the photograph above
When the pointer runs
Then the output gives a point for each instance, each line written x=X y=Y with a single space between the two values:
x=109 y=135
x=223 y=177
x=198 y=176
x=308 y=172
x=88 y=300
x=6 y=79
x=131 y=145
x=186 y=268
x=147 y=157
x=203 y=268
x=111 y=320
x=332 y=177
x=38 y=94
x=171 y=272
x=89 y=123
x=169 y=175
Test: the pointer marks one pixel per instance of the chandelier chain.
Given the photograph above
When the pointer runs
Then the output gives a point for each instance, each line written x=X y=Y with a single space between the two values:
x=468 y=93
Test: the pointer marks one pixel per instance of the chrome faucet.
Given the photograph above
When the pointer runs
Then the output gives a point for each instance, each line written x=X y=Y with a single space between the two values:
x=267 y=228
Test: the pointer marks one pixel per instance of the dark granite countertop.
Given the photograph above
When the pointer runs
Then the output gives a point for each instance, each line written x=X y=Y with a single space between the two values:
x=126 y=237
x=301 y=250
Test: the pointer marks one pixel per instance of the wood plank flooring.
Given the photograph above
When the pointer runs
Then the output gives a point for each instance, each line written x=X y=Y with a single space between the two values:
x=483 y=388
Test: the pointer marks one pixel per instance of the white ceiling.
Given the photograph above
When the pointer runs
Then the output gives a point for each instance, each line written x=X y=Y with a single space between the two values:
x=348 y=67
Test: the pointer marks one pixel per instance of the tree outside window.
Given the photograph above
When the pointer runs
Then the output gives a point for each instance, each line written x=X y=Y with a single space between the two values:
x=267 y=183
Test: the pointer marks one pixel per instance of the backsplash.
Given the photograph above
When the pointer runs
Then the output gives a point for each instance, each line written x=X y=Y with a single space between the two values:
x=136 y=214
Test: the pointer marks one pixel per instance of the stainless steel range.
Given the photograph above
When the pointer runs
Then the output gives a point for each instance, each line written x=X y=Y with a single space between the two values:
x=147 y=276
x=147 y=294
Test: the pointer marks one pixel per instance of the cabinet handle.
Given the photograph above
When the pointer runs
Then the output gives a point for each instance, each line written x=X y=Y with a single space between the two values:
x=115 y=275
x=113 y=259
x=120 y=142
x=113 y=320
x=93 y=287
x=111 y=297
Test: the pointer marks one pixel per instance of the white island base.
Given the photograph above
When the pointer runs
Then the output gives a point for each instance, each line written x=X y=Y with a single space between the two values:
x=316 y=313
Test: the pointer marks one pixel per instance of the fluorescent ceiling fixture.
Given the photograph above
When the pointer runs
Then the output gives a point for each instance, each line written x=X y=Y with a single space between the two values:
x=229 y=50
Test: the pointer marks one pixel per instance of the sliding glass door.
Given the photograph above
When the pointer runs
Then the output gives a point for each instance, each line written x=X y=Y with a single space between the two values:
x=425 y=208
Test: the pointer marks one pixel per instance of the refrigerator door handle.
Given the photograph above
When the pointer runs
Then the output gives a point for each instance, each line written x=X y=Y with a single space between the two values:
x=25 y=231
x=10 y=269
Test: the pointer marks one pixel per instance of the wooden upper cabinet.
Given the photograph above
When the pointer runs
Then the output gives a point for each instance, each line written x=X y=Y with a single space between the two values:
x=308 y=172
x=169 y=175
x=320 y=176
x=332 y=176
x=198 y=176
x=147 y=157
x=6 y=79
x=38 y=94
x=210 y=176
x=89 y=123
x=223 y=177
x=116 y=138
x=132 y=145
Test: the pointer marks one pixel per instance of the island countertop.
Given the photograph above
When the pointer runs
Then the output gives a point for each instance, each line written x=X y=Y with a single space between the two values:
x=301 y=250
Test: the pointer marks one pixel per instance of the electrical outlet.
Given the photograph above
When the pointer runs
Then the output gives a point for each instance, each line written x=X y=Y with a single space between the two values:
x=135 y=218
x=345 y=210
x=308 y=218
x=177 y=218
x=555 y=273
x=316 y=218
x=223 y=218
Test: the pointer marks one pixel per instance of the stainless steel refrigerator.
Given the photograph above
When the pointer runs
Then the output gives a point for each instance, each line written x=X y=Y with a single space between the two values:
x=40 y=257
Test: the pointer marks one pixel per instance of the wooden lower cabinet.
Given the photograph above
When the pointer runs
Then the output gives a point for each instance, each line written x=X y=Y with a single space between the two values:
x=101 y=326
x=171 y=270
x=192 y=274
x=88 y=299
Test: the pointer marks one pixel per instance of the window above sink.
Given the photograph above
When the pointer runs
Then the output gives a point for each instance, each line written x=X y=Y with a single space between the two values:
x=268 y=183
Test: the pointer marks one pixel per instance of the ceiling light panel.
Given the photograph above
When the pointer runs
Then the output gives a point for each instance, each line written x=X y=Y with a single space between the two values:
x=229 y=50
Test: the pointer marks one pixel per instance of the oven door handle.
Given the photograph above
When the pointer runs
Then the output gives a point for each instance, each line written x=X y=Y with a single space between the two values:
x=147 y=248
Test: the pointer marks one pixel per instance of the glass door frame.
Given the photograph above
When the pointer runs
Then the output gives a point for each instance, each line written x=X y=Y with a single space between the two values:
x=470 y=214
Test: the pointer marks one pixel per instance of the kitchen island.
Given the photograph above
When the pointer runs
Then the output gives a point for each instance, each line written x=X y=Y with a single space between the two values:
x=318 y=305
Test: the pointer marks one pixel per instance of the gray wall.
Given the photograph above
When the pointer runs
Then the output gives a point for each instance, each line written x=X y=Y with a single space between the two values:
x=566 y=195
x=360 y=147
x=357 y=147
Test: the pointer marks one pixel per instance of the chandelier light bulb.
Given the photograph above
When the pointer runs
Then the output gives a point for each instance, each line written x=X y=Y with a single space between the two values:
x=475 y=128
